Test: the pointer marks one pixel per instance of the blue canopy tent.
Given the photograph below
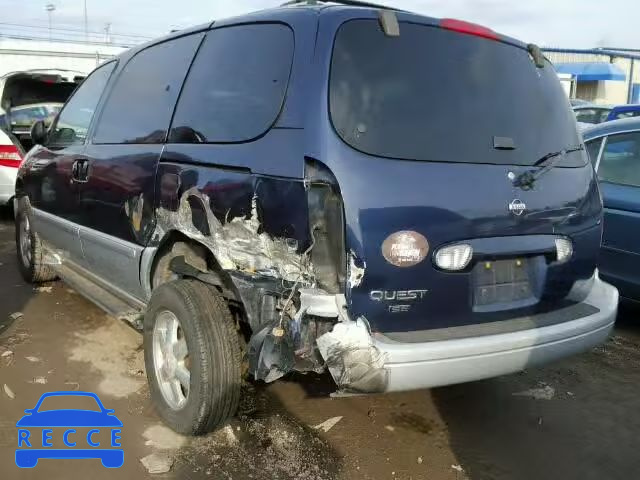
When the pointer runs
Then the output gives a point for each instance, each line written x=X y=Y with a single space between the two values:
x=592 y=71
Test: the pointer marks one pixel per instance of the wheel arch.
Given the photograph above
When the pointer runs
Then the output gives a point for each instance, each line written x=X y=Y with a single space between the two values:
x=253 y=298
x=176 y=243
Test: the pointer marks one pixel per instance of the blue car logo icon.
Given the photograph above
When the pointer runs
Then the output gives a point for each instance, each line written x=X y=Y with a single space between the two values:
x=36 y=432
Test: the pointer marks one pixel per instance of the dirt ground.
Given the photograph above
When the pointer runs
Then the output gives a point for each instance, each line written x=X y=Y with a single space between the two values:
x=577 y=419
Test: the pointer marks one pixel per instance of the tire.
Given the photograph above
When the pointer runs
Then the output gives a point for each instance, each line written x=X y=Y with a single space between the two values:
x=31 y=257
x=213 y=357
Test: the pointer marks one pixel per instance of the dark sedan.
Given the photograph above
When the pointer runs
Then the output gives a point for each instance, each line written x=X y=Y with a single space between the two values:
x=614 y=149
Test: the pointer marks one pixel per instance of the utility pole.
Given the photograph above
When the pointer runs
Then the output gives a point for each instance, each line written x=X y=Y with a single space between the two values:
x=50 y=7
x=107 y=32
x=86 y=23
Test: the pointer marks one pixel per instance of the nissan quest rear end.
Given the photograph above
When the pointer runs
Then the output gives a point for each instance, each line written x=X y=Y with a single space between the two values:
x=472 y=216
x=400 y=200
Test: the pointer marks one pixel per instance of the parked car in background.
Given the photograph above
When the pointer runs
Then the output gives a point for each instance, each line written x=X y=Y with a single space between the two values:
x=614 y=149
x=624 y=111
x=595 y=114
x=576 y=102
x=11 y=155
x=592 y=114
x=24 y=116
x=265 y=215
x=20 y=119
x=27 y=96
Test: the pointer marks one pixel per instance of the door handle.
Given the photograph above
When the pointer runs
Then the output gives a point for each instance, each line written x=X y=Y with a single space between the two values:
x=74 y=171
x=80 y=170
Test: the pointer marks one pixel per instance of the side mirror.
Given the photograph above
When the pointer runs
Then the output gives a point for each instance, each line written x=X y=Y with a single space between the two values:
x=38 y=133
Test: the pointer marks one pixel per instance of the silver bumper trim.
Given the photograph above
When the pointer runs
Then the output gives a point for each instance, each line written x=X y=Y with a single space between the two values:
x=422 y=365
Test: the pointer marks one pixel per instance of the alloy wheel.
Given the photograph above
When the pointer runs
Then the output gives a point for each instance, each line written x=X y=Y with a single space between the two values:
x=171 y=359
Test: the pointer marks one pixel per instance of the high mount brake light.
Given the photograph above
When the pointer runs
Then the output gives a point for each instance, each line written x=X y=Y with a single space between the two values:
x=9 y=156
x=469 y=28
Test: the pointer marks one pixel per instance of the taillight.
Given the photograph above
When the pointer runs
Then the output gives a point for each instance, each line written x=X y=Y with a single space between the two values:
x=10 y=156
x=326 y=222
x=467 y=27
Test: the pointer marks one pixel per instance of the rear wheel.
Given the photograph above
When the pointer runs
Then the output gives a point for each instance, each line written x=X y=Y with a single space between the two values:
x=31 y=258
x=192 y=356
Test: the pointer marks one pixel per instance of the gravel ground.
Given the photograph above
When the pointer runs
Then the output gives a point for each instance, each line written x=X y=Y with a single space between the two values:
x=576 y=419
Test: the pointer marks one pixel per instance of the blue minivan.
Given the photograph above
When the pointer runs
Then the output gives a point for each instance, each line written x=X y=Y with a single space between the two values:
x=402 y=201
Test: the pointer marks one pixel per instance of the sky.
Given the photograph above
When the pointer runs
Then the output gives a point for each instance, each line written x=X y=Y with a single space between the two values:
x=557 y=23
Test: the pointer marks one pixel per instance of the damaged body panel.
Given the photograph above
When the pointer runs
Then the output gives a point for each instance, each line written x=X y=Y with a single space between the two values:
x=256 y=230
x=259 y=233
x=241 y=243
x=251 y=224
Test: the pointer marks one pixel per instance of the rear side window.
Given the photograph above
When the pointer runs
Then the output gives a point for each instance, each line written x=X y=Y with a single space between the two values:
x=140 y=105
x=435 y=95
x=620 y=162
x=75 y=118
x=236 y=86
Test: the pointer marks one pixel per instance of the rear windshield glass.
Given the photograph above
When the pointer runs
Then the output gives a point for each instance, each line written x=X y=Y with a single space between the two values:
x=436 y=95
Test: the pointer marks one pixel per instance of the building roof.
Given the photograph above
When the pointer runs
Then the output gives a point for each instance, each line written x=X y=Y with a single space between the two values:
x=613 y=52
x=592 y=71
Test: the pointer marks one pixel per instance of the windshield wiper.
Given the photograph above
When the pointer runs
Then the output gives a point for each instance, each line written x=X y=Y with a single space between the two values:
x=526 y=179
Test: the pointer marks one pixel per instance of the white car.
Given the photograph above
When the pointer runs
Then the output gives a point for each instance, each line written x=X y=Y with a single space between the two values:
x=10 y=159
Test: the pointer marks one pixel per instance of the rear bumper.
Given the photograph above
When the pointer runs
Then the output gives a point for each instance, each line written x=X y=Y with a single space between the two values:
x=5 y=197
x=6 y=194
x=395 y=366
x=432 y=364
x=7 y=184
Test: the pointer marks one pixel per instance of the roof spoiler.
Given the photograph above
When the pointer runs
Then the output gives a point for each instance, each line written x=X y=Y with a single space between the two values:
x=389 y=23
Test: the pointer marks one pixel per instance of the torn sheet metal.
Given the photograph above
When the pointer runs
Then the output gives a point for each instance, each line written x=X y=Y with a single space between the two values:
x=355 y=363
x=237 y=244
x=271 y=353
x=355 y=271
x=317 y=302
x=284 y=345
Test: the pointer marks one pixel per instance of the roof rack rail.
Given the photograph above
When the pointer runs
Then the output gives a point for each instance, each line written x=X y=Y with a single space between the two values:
x=352 y=3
